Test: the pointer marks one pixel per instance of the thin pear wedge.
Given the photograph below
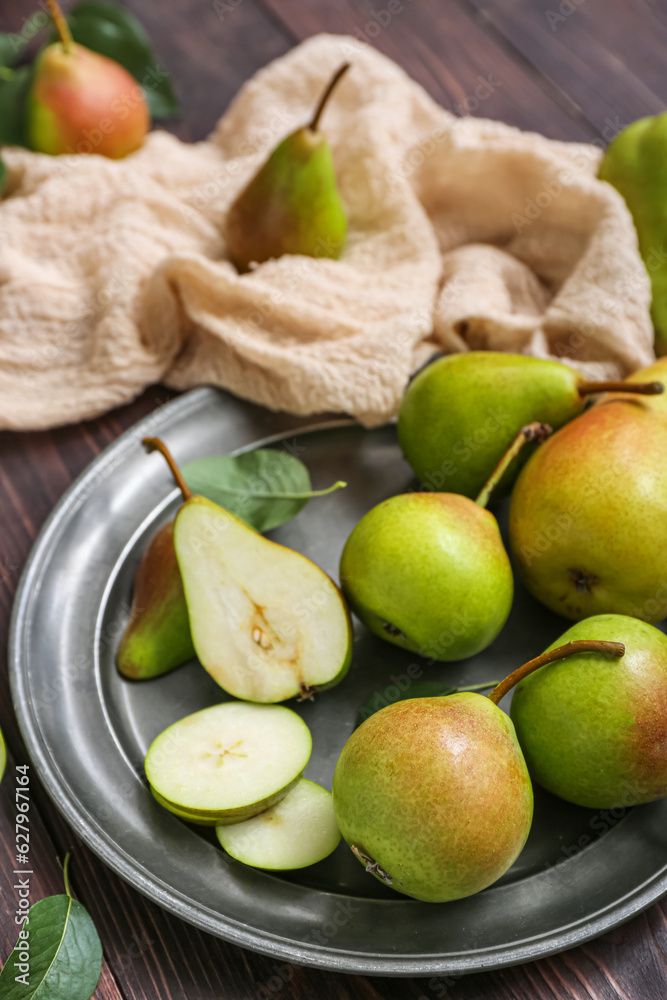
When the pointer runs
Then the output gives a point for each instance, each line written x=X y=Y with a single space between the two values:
x=157 y=638
x=266 y=622
x=297 y=832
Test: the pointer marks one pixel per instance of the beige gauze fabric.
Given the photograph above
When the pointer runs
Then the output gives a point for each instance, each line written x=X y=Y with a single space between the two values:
x=463 y=233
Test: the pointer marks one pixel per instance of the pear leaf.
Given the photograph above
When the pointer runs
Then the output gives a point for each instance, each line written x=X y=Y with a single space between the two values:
x=9 y=51
x=415 y=689
x=264 y=487
x=116 y=33
x=65 y=954
x=14 y=88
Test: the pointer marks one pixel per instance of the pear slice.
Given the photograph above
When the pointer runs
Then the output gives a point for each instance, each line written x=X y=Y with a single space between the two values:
x=228 y=762
x=299 y=831
x=183 y=813
x=266 y=622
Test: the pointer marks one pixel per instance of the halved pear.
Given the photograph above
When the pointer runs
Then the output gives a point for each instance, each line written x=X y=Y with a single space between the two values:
x=266 y=622
x=228 y=762
x=299 y=831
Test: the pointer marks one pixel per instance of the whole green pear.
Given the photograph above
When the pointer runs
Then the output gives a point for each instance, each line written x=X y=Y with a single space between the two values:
x=588 y=515
x=461 y=412
x=594 y=729
x=429 y=572
x=635 y=163
x=292 y=204
x=433 y=796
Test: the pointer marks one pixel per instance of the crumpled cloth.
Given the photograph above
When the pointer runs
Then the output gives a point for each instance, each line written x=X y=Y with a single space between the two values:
x=463 y=234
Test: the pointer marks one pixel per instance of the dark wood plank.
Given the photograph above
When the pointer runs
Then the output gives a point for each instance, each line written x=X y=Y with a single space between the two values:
x=446 y=51
x=607 y=55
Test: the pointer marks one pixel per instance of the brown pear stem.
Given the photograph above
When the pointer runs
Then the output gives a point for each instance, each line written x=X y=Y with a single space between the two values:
x=641 y=388
x=62 y=27
x=326 y=95
x=531 y=432
x=154 y=444
x=614 y=649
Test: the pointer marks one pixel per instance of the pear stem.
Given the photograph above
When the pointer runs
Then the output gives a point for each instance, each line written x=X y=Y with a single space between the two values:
x=154 y=444
x=531 y=432
x=614 y=649
x=62 y=27
x=326 y=95
x=642 y=388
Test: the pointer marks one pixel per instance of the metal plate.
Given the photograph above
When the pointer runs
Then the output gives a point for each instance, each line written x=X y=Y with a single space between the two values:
x=87 y=729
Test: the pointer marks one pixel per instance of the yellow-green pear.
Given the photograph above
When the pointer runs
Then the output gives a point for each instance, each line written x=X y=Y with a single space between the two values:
x=461 y=413
x=292 y=204
x=593 y=729
x=588 y=515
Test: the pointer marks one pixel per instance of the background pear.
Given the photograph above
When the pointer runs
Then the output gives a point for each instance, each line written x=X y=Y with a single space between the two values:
x=588 y=515
x=461 y=413
x=75 y=91
x=635 y=163
x=594 y=729
x=657 y=403
x=433 y=795
x=157 y=637
x=429 y=571
x=292 y=204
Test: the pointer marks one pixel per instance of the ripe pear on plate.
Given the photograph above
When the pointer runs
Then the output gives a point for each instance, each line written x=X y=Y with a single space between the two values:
x=433 y=795
x=266 y=622
x=429 y=571
x=82 y=101
x=460 y=414
x=593 y=729
x=588 y=515
x=157 y=638
x=292 y=204
x=635 y=163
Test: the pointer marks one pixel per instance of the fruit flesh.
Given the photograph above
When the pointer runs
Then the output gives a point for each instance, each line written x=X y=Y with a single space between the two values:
x=435 y=791
x=588 y=515
x=429 y=572
x=267 y=623
x=594 y=730
x=230 y=760
x=299 y=831
x=83 y=102
x=462 y=412
x=157 y=638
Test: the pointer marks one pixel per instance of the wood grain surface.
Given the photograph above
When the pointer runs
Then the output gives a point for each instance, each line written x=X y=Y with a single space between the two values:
x=572 y=69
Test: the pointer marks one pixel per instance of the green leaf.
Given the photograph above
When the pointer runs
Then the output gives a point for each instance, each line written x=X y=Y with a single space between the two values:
x=65 y=954
x=14 y=88
x=415 y=689
x=264 y=487
x=116 y=33
x=10 y=46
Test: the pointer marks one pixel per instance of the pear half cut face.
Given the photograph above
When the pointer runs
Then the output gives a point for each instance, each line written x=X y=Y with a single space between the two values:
x=266 y=622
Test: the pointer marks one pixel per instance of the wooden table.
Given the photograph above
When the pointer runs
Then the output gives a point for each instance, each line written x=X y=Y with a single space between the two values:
x=572 y=69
